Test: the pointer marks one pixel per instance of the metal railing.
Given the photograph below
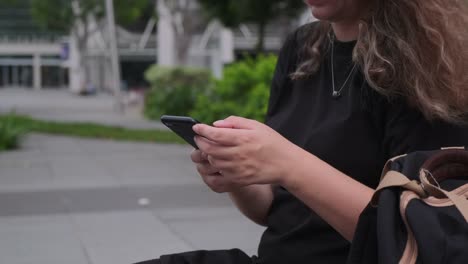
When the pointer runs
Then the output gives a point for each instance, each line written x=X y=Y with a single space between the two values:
x=30 y=38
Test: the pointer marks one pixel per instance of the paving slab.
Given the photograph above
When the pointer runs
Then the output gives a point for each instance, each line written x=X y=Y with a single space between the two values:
x=214 y=224
x=40 y=239
x=85 y=173
x=71 y=200
x=31 y=203
x=126 y=237
x=22 y=175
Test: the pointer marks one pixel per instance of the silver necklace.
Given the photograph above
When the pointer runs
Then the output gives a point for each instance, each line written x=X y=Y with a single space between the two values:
x=337 y=93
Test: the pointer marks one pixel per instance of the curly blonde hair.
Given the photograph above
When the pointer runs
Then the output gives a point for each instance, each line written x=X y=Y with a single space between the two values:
x=415 y=48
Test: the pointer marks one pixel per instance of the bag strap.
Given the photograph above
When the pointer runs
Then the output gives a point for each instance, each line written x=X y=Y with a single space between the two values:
x=423 y=190
x=397 y=179
x=446 y=164
x=458 y=200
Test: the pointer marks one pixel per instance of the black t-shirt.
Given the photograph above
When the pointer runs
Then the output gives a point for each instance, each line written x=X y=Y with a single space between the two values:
x=355 y=133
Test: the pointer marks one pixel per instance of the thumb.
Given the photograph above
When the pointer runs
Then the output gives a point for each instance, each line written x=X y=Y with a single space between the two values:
x=236 y=122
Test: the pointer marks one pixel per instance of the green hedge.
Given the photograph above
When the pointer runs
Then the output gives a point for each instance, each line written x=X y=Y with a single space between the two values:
x=243 y=91
x=10 y=132
x=174 y=90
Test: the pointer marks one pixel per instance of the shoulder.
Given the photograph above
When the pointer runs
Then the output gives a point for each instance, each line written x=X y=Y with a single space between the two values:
x=303 y=32
x=407 y=130
x=299 y=37
x=293 y=48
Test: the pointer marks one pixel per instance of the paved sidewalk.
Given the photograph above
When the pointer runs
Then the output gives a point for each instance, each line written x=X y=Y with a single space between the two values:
x=62 y=105
x=68 y=200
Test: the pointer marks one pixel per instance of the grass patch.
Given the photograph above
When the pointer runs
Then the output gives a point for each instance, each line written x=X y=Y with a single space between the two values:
x=10 y=132
x=90 y=130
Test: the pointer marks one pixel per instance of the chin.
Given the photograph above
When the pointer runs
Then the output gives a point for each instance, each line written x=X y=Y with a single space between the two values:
x=322 y=14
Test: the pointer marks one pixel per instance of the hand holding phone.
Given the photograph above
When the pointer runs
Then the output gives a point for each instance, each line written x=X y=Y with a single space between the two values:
x=182 y=126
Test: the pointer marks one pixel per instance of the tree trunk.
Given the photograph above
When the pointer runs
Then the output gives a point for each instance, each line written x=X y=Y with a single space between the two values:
x=183 y=42
x=82 y=40
x=260 y=48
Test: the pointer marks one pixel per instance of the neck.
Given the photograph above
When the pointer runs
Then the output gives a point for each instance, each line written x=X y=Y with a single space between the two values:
x=345 y=31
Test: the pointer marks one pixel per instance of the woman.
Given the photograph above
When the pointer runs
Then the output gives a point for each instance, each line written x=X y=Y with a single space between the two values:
x=373 y=79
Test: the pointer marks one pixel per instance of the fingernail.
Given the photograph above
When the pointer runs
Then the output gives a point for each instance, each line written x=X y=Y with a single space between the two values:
x=219 y=123
x=196 y=128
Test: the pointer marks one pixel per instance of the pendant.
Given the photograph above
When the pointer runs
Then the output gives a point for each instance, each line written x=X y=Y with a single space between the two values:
x=336 y=94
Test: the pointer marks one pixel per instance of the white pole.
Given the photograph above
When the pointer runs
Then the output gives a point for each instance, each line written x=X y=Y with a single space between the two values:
x=37 y=82
x=146 y=34
x=114 y=56
x=166 y=36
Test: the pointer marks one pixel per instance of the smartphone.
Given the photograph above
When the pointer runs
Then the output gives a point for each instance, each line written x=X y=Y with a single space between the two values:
x=182 y=126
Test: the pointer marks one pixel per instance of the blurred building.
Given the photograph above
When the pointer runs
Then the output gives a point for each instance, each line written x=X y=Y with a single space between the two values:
x=33 y=58
x=29 y=56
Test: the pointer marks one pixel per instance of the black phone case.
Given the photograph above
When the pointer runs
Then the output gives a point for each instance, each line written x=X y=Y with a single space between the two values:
x=182 y=126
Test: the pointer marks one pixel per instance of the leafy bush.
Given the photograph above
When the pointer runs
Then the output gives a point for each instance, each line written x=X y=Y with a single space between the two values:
x=243 y=91
x=174 y=90
x=10 y=132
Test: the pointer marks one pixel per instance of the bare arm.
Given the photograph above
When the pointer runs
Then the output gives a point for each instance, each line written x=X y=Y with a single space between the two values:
x=253 y=201
x=336 y=197
x=256 y=154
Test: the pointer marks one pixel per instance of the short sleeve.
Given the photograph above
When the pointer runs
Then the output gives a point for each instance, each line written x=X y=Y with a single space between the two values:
x=406 y=130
